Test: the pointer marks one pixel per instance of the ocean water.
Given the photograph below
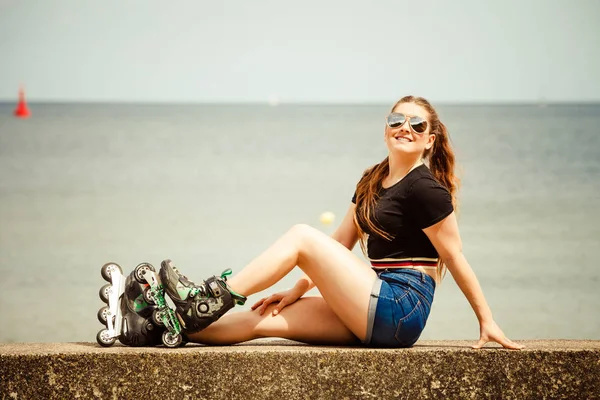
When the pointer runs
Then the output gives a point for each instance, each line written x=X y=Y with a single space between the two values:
x=211 y=186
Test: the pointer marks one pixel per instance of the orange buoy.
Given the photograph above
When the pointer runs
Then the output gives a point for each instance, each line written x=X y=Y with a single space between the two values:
x=22 y=111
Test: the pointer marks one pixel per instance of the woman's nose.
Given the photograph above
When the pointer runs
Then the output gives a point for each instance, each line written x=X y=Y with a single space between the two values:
x=404 y=127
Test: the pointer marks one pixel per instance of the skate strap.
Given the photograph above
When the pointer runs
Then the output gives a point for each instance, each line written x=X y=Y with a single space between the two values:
x=217 y=290
x=239 y=299
x=226 y=273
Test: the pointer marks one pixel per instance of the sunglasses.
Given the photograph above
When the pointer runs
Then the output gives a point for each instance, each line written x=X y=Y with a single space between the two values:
x=417 y=124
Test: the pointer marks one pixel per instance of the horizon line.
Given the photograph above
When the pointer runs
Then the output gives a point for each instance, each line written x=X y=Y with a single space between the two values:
x=299 y=103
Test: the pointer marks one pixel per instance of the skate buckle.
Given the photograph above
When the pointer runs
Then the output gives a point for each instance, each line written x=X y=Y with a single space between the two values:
x=215 y=288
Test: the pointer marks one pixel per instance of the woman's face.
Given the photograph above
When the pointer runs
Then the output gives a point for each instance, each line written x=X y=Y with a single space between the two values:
x=407 y=139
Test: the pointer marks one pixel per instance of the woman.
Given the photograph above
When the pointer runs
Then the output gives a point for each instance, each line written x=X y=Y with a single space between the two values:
x=402 y=213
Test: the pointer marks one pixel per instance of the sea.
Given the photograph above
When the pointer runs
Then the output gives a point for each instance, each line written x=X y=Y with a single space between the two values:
x=212 y=186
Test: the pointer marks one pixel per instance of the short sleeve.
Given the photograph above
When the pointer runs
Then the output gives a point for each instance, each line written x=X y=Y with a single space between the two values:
x=429 y=202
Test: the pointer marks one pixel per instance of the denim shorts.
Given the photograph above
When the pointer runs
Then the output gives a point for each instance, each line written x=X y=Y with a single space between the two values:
x=398 y=308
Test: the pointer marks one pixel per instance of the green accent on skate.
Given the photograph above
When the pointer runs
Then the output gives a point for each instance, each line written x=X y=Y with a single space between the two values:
x=240 y=302
x=168 y=318
x=139 y=303
x=183 y=292
x=239 y=299
x=226 y=273
x=158 y=294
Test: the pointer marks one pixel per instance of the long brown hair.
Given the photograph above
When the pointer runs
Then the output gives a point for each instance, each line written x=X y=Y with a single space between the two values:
x=441 y=164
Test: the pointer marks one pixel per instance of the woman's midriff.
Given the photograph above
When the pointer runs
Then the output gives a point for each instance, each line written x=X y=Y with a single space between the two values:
x=431 y=271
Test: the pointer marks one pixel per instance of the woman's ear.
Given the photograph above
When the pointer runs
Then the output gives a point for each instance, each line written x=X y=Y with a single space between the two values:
x=430 y=141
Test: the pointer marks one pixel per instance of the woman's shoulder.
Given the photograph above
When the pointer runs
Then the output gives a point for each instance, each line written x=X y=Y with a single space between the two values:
x=429 y=201
x=423 y=180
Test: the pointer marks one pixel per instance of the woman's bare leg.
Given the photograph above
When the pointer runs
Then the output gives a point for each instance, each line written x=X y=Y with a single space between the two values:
x=345 y=282
x=309 y=320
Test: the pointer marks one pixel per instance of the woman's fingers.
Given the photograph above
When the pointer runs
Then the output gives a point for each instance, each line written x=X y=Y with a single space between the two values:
x=509 y=344
x=505 y=342
x=480 y=343
x=284 y=299
x=280 y=306
x=261 y=309
x=268 y=300
x=258 y=303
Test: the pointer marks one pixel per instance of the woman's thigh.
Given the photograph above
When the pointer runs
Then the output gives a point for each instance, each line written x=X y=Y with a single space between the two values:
x=309 y=320
x=344 y=281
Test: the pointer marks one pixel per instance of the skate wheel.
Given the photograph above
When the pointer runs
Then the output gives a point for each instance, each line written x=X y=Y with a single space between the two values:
x=104 y=340
x=148 y=295
x=108 y=269
x=170 y=340
x=103 y=315
x=157 y=316
x=138 y=272
x=104 y=292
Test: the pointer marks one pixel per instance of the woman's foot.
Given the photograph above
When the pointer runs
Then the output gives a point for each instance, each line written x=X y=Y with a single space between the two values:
x=198 y=305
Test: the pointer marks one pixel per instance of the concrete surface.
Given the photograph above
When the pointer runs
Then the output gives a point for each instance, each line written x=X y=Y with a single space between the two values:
x=276 y=369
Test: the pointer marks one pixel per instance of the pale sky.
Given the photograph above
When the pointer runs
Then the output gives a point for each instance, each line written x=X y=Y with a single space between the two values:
x=302 y=51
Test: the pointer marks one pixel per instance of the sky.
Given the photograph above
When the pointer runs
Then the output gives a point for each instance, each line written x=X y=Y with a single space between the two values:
x=239 y=51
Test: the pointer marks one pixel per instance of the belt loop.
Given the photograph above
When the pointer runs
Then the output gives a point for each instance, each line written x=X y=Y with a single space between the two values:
x=422 y=276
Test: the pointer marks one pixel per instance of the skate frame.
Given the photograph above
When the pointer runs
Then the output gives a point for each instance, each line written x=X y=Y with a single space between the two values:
x=168 y=317
x=116 y=293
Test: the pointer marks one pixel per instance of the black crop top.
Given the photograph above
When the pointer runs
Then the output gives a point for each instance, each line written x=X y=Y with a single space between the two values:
x=403 y=210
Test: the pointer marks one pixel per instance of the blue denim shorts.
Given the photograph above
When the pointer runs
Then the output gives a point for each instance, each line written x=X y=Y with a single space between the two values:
x=399 y=306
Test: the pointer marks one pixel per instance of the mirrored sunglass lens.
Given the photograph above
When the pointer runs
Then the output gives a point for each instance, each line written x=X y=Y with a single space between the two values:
x=418 y=124
x=394 y=120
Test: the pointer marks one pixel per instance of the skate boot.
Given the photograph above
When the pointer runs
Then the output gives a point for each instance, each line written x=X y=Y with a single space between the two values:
x=137 y=313
x=198 y=305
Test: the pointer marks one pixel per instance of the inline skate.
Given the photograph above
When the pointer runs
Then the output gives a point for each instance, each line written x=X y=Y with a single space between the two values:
x=136 y=312
x=198 y=305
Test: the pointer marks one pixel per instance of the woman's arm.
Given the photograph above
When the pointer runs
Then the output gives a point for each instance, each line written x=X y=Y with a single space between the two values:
x=445 y=238
x=346 y=234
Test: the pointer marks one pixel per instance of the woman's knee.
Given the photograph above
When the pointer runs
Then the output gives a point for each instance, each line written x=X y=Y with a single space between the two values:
x=302 y=232
x=301 y=229
x=304 y=235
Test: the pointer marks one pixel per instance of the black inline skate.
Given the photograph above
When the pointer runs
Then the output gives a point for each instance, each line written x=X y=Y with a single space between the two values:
x=137 y=313
x=198 y=305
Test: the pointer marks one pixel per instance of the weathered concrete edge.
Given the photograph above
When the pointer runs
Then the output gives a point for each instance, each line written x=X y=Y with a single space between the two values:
x=283 y=369
x=287 y=345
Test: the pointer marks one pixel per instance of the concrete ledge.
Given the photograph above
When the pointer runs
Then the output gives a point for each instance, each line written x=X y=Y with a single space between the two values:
x=289 y=370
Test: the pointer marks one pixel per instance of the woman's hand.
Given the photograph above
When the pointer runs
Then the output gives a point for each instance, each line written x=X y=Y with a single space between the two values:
x=284 y=298
x=491 y=332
